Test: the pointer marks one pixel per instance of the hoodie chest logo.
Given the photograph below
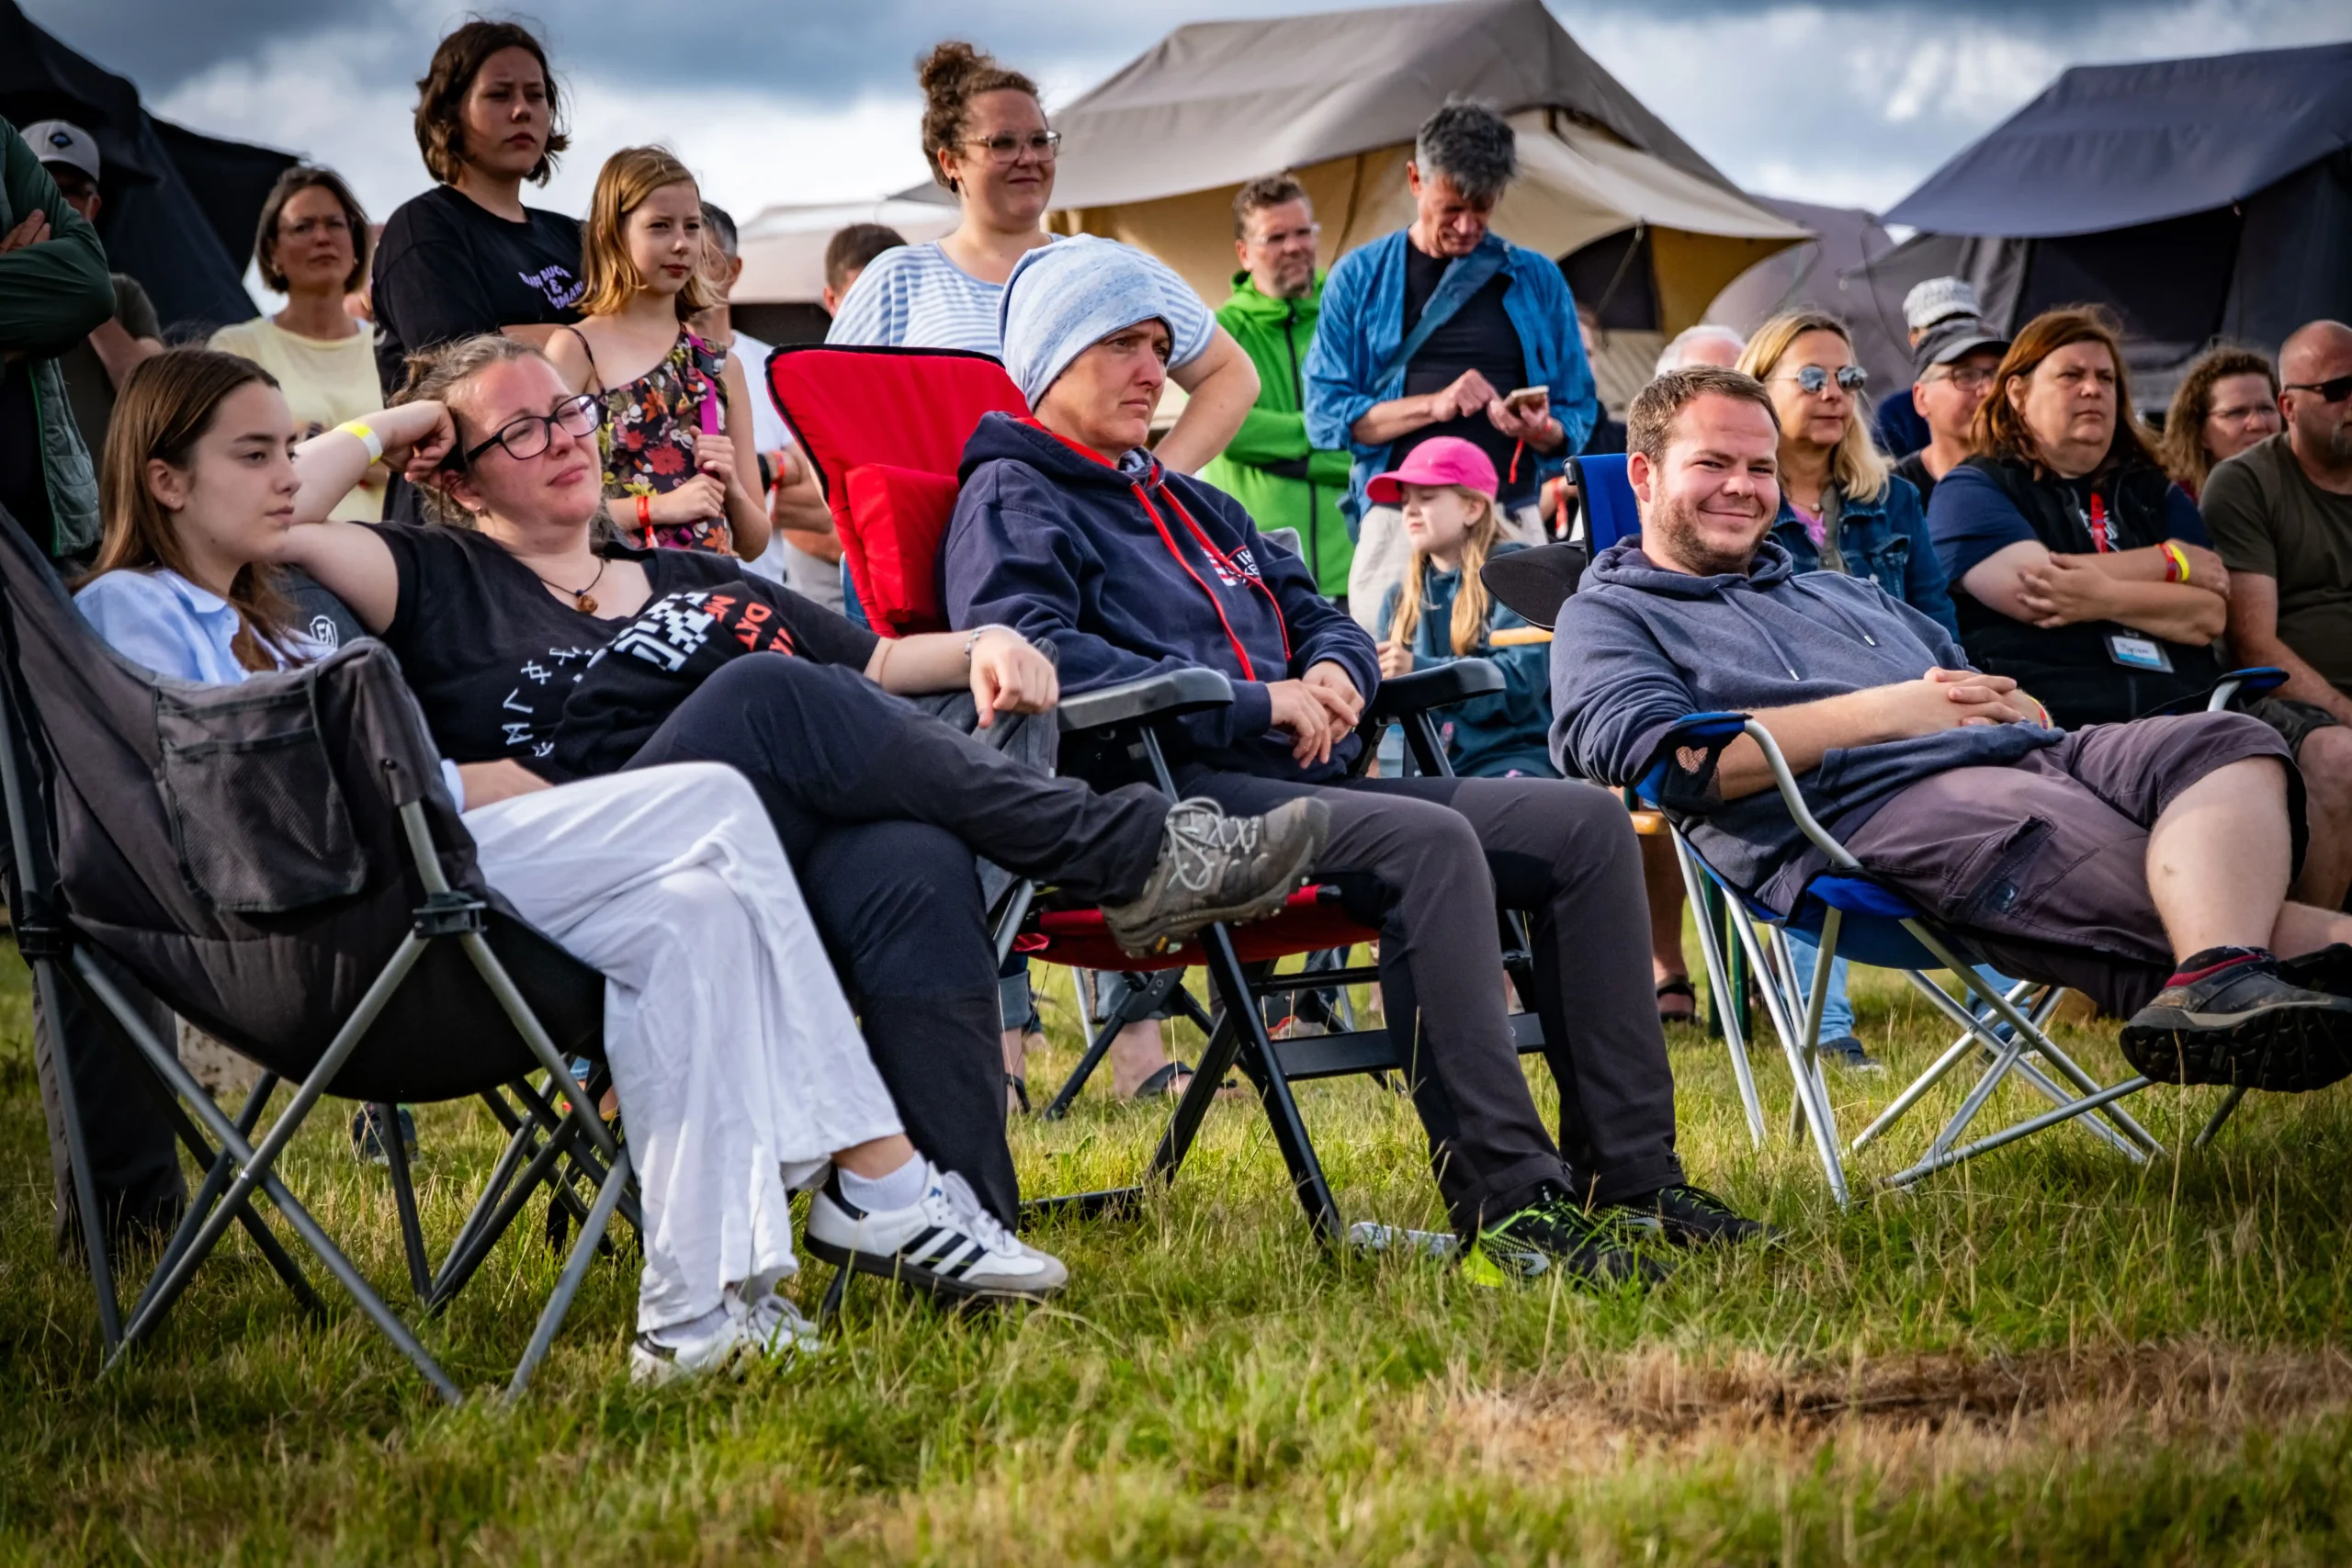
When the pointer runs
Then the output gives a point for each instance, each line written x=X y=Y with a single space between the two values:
x=1235 y=570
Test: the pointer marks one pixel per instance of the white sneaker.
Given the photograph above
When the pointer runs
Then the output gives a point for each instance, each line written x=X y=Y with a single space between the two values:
x=773 y=1330
x=945 y=1243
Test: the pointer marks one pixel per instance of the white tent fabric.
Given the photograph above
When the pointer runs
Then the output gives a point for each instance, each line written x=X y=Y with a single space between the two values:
x=1154 y=154
x=784 y=247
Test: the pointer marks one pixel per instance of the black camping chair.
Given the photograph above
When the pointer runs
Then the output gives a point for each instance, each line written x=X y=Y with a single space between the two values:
x=279 y=862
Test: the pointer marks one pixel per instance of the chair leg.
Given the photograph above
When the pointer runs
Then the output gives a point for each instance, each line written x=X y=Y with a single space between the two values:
x=77 y=1153
x=2026 y=1128
x=1136 y=1006
x=218 y=1167
x=2221 y=1113
x=575 y=1269
x=1711 y=953
x=1813 y=1100
x=2006 y=1057
x=420 y=1272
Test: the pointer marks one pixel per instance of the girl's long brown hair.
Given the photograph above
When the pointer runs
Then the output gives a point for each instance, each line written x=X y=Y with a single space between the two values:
x=1470 y=602
x=608 y=277
x=165 y=406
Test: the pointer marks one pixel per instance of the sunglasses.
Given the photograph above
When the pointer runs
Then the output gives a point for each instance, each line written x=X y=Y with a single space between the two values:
x=527 y=435
x=1812 y=378
x=2334 y=390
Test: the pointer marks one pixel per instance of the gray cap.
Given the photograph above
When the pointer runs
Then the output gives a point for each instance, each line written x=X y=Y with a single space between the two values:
x=1937 y=299
x=1955 y=339
x=62 y=141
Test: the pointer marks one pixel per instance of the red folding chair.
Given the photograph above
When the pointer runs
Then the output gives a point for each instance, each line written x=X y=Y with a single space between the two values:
x=884 y=428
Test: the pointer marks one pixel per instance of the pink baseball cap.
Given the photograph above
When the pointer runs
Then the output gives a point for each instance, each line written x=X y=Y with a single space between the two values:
x=1446 y=460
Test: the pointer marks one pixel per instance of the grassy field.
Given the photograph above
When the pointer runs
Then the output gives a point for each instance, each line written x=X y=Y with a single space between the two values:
x=2049 y=1356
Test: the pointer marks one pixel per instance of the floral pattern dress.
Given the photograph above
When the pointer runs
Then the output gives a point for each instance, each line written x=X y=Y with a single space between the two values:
x=648 y=442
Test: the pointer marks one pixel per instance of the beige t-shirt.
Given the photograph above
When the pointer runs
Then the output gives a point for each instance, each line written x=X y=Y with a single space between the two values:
x=325 y=384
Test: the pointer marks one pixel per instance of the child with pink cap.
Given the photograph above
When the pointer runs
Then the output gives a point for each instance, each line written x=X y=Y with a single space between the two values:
x=1443 y=612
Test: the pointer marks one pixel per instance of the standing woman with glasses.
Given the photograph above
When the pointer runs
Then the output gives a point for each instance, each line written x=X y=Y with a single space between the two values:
x=311 y=246
x=985 y=137
x=1843 y=509
x=676 y=444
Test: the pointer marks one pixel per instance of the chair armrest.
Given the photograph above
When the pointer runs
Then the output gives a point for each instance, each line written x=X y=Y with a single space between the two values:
x=1713 y=732
x=1439 y=687
x=1163 y=695
x=2254 y=681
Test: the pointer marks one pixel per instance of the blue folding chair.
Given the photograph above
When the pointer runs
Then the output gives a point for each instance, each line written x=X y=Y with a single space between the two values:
x=1848 y=913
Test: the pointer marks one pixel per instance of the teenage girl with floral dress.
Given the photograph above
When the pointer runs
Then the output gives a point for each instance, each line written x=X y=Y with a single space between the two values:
x=674 y=476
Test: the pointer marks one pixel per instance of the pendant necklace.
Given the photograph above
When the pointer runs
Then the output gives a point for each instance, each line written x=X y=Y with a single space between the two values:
x=582 y=599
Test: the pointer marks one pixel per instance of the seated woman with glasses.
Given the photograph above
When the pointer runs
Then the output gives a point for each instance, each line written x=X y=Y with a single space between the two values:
x=1842 y=510
x=529 y=643
x=2227 y=402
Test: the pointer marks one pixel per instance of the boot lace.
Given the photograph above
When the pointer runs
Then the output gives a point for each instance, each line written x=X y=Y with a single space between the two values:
x=1201 y=839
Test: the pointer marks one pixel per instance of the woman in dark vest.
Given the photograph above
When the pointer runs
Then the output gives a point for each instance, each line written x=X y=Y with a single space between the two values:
x=2077 y=568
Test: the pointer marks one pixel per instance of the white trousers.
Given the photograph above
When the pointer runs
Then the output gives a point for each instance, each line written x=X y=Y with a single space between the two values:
x=738 y=1066
x=1383 y=551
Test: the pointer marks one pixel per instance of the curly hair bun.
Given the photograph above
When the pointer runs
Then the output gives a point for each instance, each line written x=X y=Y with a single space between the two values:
x=952 y=76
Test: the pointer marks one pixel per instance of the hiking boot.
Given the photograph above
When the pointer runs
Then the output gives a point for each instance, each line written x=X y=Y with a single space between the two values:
x=1690 y=1216
x=2243 y=1023
x=945 y=1243
x=1555 y=1233
x=1845 y=1054
x=1215 y=867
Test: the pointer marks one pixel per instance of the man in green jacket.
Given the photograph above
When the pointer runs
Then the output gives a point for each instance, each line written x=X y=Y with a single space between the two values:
x=54 y=289
x=1269 y=466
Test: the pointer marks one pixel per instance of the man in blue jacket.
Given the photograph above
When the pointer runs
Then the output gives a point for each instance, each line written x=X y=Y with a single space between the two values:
x=1432 y=331
x=2145 y=865
x=1068 y=531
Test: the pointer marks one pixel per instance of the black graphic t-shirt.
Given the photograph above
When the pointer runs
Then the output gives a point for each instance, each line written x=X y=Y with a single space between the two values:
x=447 y=268
x=492 y=656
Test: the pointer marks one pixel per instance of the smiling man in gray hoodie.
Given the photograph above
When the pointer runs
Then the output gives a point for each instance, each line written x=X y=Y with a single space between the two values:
x=2144 y=863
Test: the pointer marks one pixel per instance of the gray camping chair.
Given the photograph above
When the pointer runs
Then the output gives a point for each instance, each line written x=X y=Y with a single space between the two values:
x=278 y=864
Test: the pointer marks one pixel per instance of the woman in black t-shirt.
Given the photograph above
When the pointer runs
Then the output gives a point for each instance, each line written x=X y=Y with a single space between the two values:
x=467 y=256
x=527 y=641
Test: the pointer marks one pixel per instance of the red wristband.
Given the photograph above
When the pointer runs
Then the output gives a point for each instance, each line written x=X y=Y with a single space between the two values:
x=645 y=512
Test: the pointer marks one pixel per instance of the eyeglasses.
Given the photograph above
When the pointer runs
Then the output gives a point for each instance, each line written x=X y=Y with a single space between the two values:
x=2251 y=413
x=1813 y=379
x=1005 y=151
x=1308 y=231
x=1970 y=379
x=2334 y=390
x=527 y=435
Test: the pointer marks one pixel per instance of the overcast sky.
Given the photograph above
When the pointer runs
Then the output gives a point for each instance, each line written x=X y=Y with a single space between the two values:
x=1847 y=102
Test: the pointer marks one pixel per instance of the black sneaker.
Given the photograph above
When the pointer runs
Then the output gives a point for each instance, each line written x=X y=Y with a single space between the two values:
x=1845 y=1054
x=2246 y=1024
x=1214 y=867
x=1690 y=1216
x=1555 y=1233
x=367 y=1135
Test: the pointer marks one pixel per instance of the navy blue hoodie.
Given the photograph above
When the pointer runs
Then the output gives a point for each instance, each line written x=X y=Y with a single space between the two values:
x=1638 y=648
x=1060 y=545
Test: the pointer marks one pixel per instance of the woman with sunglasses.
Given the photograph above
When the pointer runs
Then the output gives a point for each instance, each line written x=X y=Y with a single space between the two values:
x=985 y=138
x=1843 y=509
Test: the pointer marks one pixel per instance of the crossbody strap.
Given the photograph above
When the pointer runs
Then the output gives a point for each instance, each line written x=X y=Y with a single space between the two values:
x=1464 y=275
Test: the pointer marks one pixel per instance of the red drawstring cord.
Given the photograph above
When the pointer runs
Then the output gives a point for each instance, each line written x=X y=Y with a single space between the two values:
x=1249 y=669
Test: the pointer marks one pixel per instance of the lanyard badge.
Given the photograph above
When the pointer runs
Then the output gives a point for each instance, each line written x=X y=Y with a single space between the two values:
x=2102 y=527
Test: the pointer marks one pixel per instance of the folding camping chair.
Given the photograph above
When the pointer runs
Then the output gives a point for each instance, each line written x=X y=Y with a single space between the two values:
x=1849 y=913
x=885 y=430
x=278 y=864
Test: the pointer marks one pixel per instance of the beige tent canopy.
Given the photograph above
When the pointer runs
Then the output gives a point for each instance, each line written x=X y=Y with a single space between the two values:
x=1154 y=155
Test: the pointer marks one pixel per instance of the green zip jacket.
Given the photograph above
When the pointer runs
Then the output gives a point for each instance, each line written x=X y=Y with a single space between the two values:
x=53 y=295
x=1269 y=466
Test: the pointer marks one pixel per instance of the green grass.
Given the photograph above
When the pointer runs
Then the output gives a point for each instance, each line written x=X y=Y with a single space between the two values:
x=2049 y=1356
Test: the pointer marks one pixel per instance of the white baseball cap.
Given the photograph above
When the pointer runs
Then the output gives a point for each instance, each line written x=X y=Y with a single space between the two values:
x=1938 y=299
x=62 y=141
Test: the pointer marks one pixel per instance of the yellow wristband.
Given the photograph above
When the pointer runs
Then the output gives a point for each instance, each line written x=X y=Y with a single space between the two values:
x=2179 y=558
x=365 y=437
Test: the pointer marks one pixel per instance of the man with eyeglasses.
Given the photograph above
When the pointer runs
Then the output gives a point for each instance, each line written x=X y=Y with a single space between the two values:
x=1270 y=466
x=2281 y=515
x=97 y=366
x=1952 y=368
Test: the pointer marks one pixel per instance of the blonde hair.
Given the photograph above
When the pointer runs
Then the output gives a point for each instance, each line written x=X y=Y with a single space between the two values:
x=608 y=277
x=1470 y=601
x=1856 y=465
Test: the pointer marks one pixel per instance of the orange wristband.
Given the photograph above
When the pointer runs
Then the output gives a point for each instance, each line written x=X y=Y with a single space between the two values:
x=645 y=512
x=2175 y=561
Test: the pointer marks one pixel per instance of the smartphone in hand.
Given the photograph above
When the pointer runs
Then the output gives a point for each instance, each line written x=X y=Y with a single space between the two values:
x=1529 y=400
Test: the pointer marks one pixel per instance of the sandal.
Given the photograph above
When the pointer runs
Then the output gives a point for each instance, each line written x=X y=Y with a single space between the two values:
x=1168 y=1083
x=1677 y=986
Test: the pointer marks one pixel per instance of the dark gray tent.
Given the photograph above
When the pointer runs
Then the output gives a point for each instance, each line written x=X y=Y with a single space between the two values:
x=179 y=208
x=2201 y=199
x=1823 y=274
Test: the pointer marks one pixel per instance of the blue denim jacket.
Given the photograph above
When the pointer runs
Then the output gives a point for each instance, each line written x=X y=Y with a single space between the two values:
x=1363 y=326
x=1885 y=540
